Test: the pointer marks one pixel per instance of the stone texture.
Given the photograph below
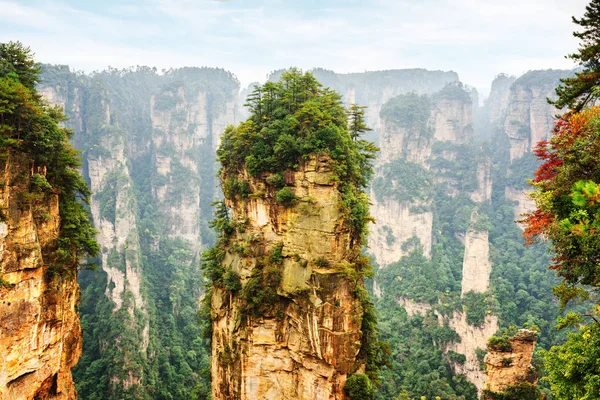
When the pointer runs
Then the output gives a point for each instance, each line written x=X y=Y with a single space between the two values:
x=509 y=368
x=477 y=265
x=471 y=337
x=403 y=224
x=308 y=343
x=523 y=203
x=40 y=334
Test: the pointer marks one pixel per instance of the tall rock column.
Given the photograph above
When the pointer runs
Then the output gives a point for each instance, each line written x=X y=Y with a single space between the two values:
x=294 y=330
x=290 y=316
x=509 y=369
x=40 y=334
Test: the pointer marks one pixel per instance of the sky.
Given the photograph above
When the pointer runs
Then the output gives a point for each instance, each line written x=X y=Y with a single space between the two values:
x=476 y=38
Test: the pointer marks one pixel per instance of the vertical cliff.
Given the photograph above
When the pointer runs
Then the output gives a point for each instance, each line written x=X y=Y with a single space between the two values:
x=304 y=341
x=529 y=118
x=149 y=143
x=40 y=334
x=509 y=369
x=45 y=236
x=431 y=243
x=291 y=318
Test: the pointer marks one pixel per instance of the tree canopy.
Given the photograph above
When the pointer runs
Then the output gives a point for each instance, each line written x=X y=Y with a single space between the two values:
x=582 y=89
x=30 y=126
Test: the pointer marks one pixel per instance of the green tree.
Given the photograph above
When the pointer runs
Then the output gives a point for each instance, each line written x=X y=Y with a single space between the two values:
x=29 y=126
x=15 y=58
x=357 y=125
x=576 y=92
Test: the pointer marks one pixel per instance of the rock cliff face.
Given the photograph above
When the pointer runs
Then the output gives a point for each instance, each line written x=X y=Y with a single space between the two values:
x=496 y=104
x=306 y=341
x=40 y=333
x=510 y=367
x=471 y=337
x=477 y=266
x=445 y=117
x=529 y=117
x=149 y=142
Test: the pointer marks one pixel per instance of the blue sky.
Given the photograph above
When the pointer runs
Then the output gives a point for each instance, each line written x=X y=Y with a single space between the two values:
x=476 y=38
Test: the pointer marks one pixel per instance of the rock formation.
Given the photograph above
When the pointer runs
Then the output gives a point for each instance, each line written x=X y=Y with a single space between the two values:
x=40 y=333
x=508 y=366
x=305 y=340
x=477 y=266
x=149 y=142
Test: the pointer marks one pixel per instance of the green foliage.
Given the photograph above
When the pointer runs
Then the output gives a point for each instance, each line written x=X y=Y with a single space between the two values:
x=260 y=291
x=521 y=391
x=32 y=128
x=176 y=363
x=390 y=239
x=39 y=183
x=409 y=111
x=521 y=171
x=286 y=197
x=359 y=387
x=454 y=91
x=581 y=90
x=231 y=281
x=322 y=262
x=357 y=125
x=235 y=187
x=476 y=306
x=276 y=180
x=521 y=285
x=403 y=181
x=16 y=60
x=502 y=342
x=573 y=368
x=456 y=358
x=419 y=366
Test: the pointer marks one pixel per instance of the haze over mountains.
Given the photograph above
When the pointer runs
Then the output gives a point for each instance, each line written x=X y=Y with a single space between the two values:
x=449 y=183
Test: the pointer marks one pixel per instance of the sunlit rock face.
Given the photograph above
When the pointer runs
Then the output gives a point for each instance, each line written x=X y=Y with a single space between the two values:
x=511 y=366
x=305 y=345
x=40 y=333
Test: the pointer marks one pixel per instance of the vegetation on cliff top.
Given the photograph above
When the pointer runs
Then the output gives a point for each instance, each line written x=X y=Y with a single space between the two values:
x=31 y=127
x=567 y=199
x=292 y=121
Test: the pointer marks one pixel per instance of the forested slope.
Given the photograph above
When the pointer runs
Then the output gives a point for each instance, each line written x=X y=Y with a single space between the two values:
x=449 y=185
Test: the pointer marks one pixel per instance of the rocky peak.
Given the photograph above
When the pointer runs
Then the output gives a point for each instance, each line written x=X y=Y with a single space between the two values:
x=301 y=338
x=508 y=365
x=40 y=334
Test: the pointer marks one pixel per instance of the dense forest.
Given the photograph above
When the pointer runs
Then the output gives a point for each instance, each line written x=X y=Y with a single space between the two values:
x=125 y=116
x=520 y=283
x=144 y=340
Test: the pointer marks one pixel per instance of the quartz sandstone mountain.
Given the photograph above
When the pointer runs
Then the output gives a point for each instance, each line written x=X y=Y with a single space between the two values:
x=511 y=367
x=148 y=145
x=446 y=124
x=306 y=344
x=40 y=334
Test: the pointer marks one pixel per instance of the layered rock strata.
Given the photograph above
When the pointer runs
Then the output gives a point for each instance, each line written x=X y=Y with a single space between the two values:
x=40 y=333
x=509 y=367
x=304 y=342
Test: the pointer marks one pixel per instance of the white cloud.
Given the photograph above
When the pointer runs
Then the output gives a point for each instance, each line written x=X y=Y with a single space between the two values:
x=476 y=38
